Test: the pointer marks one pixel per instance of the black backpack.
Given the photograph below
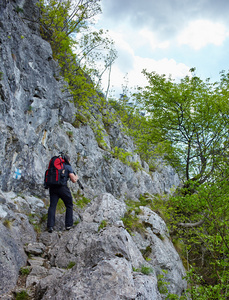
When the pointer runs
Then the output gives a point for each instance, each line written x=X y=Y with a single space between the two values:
x=55 y=174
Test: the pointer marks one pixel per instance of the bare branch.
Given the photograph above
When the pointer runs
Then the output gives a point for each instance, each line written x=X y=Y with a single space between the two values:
x=191 y=225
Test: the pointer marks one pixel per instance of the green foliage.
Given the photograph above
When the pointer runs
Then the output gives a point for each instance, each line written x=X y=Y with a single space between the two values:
x=131 y=218
x=138 y=127
x=1 y=75
x=30 y=108
x=198 y=290
x=37 y=227
x=76 y=222
x=25 y=270
x=123 y=156
x=60 y=208
x=66 y=26
x=144 y=270
x=132 y=222
x=80 y=52
x=99 y=135
x=71 y=265
x=70 y=135
x=102 y=225
x=37 y=221
x=187 y=123
x=80 y=118
x=162 y=283
x=59 y=21
x=198 y=223
x=135 y=165
x=34 y=220
x=81 y=200
x=23 y=295
x=18 y=9
x=199 y=227
x=188 y=120
x=7 y=223
x=44 y=218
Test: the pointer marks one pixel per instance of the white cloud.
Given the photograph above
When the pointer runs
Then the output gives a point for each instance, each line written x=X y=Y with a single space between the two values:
x=148 y=37
x=201 y=33
x=127 y=69
x=164 y=66
x=134 y=77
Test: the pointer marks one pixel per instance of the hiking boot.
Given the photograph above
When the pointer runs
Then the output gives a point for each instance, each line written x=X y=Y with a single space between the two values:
x=50 y=229
x=68 y=227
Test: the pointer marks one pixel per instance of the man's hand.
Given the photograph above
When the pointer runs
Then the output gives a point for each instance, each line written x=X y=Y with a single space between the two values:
x=73 y=177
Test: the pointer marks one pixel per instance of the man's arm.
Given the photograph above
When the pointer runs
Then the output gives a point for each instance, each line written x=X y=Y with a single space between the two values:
x=73 y=177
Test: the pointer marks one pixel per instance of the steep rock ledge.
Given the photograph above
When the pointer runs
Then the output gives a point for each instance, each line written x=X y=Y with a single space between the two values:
x=35 y=117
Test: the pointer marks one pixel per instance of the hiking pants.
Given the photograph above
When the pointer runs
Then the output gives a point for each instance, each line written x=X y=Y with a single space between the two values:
x=63 y=193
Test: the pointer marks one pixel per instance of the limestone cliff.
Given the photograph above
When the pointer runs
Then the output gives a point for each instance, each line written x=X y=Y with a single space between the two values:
x=35 y=119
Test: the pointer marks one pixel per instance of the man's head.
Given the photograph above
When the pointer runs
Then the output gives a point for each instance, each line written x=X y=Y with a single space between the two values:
x=67 y=159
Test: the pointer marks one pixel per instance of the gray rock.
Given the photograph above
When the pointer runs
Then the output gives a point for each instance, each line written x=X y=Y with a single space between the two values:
x=21 y=229
x=146 y=287
x=49 y=239
x=105 y=207
x=35 y=248
x=38 y=271
x=13 y=203
x=45 y=283
x=56 y=272
x=36 y=261
x=31 y=280
x=13 y=236
x=89 y=248
x=161 y=254
x=12 y=258
x=3 y=213
x=108 y=280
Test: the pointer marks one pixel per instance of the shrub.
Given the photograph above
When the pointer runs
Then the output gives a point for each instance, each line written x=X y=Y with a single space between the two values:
x=25 y=270
x=23 y=295
x=71 y=265
x=146 y=270
x=60 y=208
x=102 y=225
x=82 y=201
x=7 y=223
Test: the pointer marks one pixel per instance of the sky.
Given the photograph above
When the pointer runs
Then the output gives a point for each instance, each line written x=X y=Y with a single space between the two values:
x=166 y=36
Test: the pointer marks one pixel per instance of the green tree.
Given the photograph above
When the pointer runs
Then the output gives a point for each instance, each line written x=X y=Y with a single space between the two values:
x=189 y=120
x=200 y=222
x=66 y=18
x=82 y=53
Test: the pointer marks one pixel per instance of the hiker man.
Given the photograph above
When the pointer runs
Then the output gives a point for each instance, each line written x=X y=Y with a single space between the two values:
x=63 y=192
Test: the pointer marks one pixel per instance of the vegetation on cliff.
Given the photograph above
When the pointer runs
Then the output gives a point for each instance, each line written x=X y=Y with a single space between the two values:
x=82 y=52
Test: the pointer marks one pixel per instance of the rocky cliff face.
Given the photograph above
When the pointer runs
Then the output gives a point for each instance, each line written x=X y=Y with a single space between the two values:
x=35 y=119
